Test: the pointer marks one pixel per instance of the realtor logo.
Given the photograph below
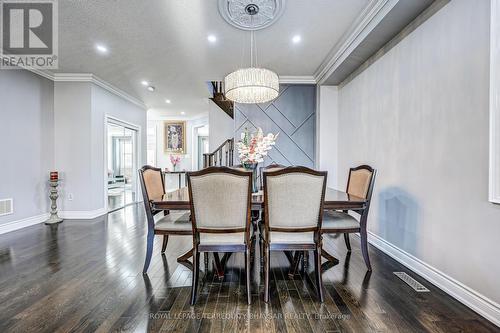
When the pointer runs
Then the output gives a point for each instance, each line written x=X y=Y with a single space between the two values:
x=28 y=34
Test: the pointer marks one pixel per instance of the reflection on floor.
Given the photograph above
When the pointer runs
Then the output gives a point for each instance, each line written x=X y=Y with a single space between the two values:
x=119 y=197
x=86 y=276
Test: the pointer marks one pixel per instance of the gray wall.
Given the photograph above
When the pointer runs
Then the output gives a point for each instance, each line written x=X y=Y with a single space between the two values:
x=46 y=125
x=72 y=144
x=293 y=115
x=419 y=114
x=106 y=103
x=221 y=126
x=26 y=142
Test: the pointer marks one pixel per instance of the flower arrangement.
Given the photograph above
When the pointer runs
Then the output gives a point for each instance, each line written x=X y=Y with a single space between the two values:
x=175 y=160
x=252 y=148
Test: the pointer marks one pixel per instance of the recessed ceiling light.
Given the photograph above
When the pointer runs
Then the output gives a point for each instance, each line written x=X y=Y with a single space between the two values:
x=183 y=113
x=101 y=48
x=151 y=88
x=296 y=39
x=145 y=83
x=168 y=101
x=212 y=38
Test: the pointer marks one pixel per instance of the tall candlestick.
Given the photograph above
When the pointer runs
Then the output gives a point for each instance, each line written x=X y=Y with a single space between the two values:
x=54 y=218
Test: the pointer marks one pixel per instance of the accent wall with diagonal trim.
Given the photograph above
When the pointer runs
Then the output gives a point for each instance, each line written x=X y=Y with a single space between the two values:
x=293 y=115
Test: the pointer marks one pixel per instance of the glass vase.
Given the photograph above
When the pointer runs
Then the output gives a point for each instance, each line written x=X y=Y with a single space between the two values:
x=252 y=167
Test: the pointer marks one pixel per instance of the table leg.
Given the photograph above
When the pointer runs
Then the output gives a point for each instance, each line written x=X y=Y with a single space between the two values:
x=295 y=264
x=329 y=257
x=289 y=256
x=219 y=270
x=183 y=260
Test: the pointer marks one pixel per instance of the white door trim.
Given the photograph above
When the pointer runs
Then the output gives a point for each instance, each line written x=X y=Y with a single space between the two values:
x=138 y=153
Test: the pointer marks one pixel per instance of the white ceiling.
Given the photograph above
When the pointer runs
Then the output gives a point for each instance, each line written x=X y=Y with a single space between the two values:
x=165 y=43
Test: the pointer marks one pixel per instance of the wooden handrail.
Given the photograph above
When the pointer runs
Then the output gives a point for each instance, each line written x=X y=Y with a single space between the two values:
x=223 y=153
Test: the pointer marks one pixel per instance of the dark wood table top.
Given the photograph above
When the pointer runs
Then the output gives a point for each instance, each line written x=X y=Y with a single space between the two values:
x=334 y=199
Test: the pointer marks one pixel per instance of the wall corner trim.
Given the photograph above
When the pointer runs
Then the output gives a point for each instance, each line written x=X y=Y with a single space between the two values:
x=469 y=297
x=23 y=223
x=494 y=105
x=368 y=20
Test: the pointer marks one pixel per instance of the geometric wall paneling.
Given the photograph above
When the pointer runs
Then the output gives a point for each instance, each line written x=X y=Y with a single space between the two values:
x=293 y=115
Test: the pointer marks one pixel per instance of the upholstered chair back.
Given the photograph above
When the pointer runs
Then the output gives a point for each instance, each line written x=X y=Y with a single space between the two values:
x=153 y=182
x=359 y=182
x=294 y=197
x=269 y=168
x=220 y=198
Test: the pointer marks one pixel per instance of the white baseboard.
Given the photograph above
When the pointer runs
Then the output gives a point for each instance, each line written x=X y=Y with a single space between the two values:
x=471 y=298
x=82 y=215
x=19 y=224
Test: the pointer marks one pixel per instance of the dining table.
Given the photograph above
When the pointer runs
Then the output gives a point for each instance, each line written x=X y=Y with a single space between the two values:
x=179 y=200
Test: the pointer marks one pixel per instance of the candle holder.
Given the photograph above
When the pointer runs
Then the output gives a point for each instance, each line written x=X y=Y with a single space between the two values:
x=53 y=219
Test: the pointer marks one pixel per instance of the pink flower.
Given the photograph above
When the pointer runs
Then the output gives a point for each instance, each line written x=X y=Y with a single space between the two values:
x=175 y=159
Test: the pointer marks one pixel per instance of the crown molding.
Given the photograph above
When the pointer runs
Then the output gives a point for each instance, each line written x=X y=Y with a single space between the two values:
x=73 y=77
x=297 y=79
x=87 y=77
x=369 y=18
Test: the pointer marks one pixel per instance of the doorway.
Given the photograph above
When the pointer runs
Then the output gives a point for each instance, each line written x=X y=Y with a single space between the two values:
x=202 y=149
x=121 y=165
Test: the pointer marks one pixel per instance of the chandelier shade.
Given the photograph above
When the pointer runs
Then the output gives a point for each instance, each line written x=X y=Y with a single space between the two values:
x=251 y=85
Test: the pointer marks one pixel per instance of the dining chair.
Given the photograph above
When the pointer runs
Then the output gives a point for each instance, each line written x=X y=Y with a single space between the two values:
x=360 y=184
x=178 y=223
x=220 y=216
x=293 y=209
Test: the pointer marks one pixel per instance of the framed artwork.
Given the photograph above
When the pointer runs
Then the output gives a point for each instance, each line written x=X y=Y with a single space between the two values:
x=175 y=137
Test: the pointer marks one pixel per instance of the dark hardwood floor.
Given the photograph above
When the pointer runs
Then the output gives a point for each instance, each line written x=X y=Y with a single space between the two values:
x=85 y=276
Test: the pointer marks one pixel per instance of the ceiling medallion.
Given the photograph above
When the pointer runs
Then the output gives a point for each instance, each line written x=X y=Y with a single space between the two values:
x=251 y=14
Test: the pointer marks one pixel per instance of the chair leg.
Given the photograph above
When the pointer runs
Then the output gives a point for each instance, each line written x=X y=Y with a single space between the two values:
x=347 y=241
x=196 y=272
x=164 y=245
x=317 y=269
x=267 y=267
x=364 y=248
x=247 y=271
x=149 y=251
x=262 y=263
x=305 y=261
x=205 y=261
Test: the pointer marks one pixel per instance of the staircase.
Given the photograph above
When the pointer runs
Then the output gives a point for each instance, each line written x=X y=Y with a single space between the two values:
x=222 y=156
x=217 y=89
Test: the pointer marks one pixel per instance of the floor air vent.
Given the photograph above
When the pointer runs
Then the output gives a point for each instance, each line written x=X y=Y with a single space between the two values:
x=417 y=286
x=6 y=207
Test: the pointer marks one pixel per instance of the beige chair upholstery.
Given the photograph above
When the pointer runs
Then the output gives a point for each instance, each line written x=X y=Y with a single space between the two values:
x=359 y=183
x=277 y=237
x=222 y=239
x=174 y=222
x=220 y=202
x=294 y=202
x=338 y=220
x=153 y=183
